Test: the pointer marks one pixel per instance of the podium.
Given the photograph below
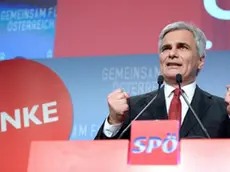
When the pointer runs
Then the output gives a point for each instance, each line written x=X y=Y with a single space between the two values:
x=198 y=155
x=74 y=156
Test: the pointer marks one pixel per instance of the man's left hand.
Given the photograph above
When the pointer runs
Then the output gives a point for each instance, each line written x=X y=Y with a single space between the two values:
x=227 y=99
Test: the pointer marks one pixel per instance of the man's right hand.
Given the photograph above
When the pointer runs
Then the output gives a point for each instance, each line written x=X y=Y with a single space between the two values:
x=118 y=106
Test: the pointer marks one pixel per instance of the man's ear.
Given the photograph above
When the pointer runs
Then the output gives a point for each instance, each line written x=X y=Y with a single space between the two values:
x=201 y=63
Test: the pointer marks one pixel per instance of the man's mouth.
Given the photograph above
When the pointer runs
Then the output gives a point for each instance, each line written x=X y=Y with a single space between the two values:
x=174 y=64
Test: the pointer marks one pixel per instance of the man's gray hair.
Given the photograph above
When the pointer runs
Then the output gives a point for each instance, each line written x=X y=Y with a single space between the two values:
x=199 y=36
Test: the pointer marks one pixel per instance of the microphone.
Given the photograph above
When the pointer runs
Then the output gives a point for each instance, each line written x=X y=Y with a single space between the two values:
x=160 y=81
x=179 y=81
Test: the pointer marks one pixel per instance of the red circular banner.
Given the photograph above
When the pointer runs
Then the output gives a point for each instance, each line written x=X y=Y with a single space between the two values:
x=34 y=105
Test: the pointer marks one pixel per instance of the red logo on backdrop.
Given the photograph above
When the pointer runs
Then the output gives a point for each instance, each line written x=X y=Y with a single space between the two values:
x=34 y=105
x=154 y=143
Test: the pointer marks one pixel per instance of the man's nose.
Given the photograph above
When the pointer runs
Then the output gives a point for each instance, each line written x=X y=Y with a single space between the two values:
x=173 y=53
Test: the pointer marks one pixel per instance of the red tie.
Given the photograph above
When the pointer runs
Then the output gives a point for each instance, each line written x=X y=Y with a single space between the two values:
x=175 y=106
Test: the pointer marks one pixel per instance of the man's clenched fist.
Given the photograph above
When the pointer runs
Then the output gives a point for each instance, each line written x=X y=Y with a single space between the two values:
x=118 y=106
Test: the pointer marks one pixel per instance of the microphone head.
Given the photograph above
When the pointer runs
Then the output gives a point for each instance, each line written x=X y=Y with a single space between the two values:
x=160 y=80
x=179 y=78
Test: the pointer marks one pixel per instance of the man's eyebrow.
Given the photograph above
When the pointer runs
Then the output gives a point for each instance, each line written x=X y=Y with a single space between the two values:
x=165 y=45
x=183 y=43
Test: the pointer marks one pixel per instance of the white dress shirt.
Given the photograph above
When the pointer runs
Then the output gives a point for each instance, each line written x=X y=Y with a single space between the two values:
x=189 y=90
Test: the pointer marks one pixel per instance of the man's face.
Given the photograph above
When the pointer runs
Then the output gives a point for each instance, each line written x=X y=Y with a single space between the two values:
x=179 y=55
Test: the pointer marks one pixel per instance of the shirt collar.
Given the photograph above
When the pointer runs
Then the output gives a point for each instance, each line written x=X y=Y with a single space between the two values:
x=188 y=89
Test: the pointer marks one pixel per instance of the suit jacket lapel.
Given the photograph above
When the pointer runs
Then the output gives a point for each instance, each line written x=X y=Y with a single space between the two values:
x=158 y=108
x=199 y=104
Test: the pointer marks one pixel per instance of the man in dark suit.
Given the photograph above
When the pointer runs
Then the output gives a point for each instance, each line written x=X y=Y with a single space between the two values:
x=182 y=51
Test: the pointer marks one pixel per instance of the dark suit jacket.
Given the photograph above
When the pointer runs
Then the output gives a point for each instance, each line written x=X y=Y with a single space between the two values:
x=210 y=109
